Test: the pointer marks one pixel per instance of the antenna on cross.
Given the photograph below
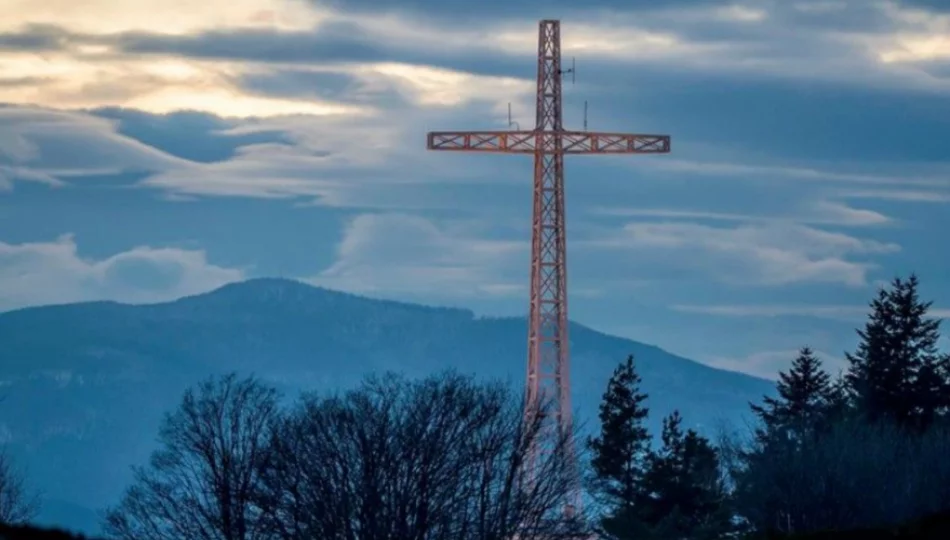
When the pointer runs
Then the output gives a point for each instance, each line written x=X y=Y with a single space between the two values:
x=571 y=71
x=510 y=121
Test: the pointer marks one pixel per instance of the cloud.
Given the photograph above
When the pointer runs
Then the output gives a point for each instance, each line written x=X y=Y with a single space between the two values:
x=342 y=169
x=193 y=136
x=819 y=212
x=525 y=9
x=341 y=162
x=837 y=313
x=373 y=161
x=250 y=64
x=55 y=272
x=902 y=195
x=840 y=313
x=151 y=55
x=750 y=254
x=358 y=37
x=849 y=42
x=767 y=364
x=51 y=144
x=171 y=70
x=411 y=256
x=34 y=37
x=770 y=172
x=173 y=17
x=10 y=174
x=929 y=5
x=812 y=38
x=799 y=128
x=347 y=90
x=74 y=79
x=263 y=171
x=921 y=36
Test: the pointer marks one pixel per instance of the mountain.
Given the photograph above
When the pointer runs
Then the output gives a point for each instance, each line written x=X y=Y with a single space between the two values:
x=85 y=385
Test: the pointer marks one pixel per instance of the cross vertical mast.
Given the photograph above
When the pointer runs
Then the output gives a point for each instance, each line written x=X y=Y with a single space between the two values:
x=548 y=368
x=547 y=382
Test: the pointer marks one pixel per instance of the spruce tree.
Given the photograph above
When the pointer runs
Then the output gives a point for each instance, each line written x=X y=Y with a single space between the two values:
x=619 y=451
x=807 y=402
x=931 y=388
x=896 y=373
x=683 y=493
x=805 y=397
x=839 y=405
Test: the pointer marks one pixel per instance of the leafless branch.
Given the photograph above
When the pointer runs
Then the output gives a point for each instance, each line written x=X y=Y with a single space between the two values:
x=17 y=504
x=201 y=484
x=437 y=459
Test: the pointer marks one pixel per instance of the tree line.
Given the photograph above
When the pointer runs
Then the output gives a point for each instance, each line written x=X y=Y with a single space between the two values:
x=437 y=458
x=443 y=457
x=864 y=449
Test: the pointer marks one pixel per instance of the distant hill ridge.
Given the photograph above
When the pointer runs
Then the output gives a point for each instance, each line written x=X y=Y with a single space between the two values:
x=86 y=384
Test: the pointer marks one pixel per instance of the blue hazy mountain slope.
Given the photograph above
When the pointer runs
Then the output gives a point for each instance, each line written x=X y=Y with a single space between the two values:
x=86 y=384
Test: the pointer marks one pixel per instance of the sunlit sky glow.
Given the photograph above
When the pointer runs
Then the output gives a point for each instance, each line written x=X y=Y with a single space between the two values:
x=151 y=149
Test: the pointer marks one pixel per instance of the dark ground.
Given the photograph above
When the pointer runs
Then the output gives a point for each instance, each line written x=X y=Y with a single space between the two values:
x=935 y=527
x=8 y=532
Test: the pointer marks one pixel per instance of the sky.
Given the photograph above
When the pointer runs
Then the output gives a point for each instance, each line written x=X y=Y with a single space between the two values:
x=151 y=149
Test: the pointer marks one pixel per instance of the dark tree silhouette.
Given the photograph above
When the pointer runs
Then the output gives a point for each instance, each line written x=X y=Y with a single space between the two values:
x=866 y=450
x=896 y=374
x=201 y=483
x=436 y=459
x=17 y=504
x=805 y=399
x=684 y=494
x=619 y=451
x=769 y=490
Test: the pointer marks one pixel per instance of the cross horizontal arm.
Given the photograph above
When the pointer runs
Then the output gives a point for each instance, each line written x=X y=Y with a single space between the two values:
x=527 y=142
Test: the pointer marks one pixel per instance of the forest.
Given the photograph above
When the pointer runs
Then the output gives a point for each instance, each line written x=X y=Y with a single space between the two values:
x=859 y=453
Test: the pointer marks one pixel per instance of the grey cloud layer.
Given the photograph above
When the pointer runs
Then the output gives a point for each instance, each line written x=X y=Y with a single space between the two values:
x=769 y=117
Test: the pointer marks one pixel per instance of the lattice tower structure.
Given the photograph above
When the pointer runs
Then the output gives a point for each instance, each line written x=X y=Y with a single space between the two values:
x=547 y=381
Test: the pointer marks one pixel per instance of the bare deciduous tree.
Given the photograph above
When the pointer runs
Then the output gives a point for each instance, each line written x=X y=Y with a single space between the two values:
x=200 y=484
x=17 y=504
x=435 y=459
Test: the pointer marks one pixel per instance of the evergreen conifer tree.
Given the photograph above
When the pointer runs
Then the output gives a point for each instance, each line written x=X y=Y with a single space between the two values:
x=807 y=402
x=683 y=492
x=620 y=450
x=896 y=373
x=839 y=405
x=805 y=397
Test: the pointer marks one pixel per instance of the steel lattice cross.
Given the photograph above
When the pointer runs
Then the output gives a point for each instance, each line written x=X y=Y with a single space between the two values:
x=548 y=374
